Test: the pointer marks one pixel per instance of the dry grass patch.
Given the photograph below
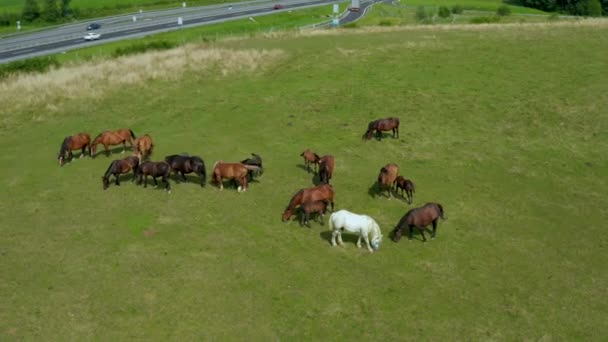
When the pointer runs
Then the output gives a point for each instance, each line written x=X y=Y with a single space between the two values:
x=93 y=79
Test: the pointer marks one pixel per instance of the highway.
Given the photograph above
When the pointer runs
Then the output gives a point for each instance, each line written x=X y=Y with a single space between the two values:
x=67 y=37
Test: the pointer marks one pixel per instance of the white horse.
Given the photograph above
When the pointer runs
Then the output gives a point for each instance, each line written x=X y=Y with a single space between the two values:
x=358 y=224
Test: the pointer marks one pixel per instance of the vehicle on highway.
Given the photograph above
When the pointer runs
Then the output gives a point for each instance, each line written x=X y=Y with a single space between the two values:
x=278 y=6
x=92 y=36
x=93 y=26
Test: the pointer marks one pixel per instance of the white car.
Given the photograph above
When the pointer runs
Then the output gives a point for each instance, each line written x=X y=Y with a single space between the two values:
x=92 y=36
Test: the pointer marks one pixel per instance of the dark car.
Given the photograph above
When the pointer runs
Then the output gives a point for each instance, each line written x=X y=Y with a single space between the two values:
x=278 y=6
x=93 y=26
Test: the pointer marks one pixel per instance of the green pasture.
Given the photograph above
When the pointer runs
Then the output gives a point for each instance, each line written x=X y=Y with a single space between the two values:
x=504 y=125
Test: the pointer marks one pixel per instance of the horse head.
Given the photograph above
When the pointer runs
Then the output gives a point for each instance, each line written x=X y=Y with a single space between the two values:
x=396 y=234
x=287 y=214
x=441 y=213
x=376 y=241
x=106 y=182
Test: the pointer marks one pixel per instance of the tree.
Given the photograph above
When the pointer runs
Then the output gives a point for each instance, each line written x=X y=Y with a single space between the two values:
x=51 y=12
x=66 y=11
x=503 y=11
x=30 y=10
x=444 y=12
x=594 y=8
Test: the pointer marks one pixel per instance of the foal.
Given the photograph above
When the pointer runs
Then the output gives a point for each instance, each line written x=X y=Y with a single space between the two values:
x=326 y=168
x=387 y=177
x=310 y=158
x=402 y=184
x=312 y=207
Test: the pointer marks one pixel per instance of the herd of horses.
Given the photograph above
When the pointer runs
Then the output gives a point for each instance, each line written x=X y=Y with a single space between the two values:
x=307 y=202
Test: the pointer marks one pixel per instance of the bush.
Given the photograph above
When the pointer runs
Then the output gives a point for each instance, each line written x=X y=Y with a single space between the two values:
x=421 y=13
x=504 y=10
x=444 y=12
x=143 y=47
x=485 y=20
x=30 y=65
x=385 y=22
x=594 y=8
x=457 y=9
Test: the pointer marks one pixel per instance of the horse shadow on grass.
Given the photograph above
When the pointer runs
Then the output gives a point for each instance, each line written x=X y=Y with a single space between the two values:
x=115 y=150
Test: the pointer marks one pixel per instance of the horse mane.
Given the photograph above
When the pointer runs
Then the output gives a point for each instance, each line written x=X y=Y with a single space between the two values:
x=403 y=222
x=215 y=164
x=98 y=136
x=109 y=170
x=64 y=145
x=293 y=199
x=316 y=156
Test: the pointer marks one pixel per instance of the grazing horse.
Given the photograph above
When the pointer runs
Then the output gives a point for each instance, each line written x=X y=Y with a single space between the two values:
x=419 y=218
x=185 y=164
x=108 y=138
x=318 y=207
x=402 y=184
x=358 y=224
x=310 y=158
x=79 y=141
x=118 y=167
x=380 y=125
x=387 y=176
x=142 y=147
x=326 y=168
x=255 y=160
x=236 y=171
x=318 y=193
x=154 y=169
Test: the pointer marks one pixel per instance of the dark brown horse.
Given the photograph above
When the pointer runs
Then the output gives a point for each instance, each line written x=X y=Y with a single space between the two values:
x=310 y=158
x=154 y=169
x=186 y=164
x=316 y=207
x=387 y=176
x=419 y=218
x=79 y=141
x=318 y=193
x=255 y=160
x=142 y=147
x=380 y=125
x=108 y=138
x=118 y=167
x=406 y=185
x=235 y=171
x=326 y=168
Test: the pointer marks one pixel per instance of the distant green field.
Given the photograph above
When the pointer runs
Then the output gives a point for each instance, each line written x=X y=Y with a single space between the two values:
x=505 y=125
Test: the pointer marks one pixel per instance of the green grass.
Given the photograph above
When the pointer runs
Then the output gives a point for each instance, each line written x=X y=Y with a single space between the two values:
x=509 y=135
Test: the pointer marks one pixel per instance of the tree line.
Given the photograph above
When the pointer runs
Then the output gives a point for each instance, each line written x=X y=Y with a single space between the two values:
x=592 y=8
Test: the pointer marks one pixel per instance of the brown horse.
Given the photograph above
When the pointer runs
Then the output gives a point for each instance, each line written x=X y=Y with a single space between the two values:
x=79 y=141
x=118 y=167
x=318 y=207
x=310 y=158
x=108 y=138
x=142 y=147
x=387 y=176
x=380 y=125
x=235 y=171
x=419 y=218
x=154 y=169
x=406 y=185
x=318 y=193
x=326 y=168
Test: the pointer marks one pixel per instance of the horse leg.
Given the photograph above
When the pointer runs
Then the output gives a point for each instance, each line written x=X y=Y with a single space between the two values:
x=434 y=229
x=70 y=155
x=333 y=237
x=410 y=233
x=422 y=233
x=184 y=176
x=146 y=181
x=359 y=241
x=84 y=148
x=155 y=182
x=340 y=237
x=369 y=248
x=307 y=219
x=117 y=181
x=167 y=184
x=124 y=146
x=105 y=148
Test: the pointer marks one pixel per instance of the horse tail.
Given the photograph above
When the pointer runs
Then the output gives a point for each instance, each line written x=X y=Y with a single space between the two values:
x=132 y=134
x=109 y=170
x=215 y=164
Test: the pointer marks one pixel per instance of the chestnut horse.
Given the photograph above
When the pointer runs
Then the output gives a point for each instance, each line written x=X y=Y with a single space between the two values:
x=326 y=168
x=406 y=185
x=236 y=171
x=318 y=193
x=310 y=158
x=79 y=141
x=142 y=147
x=154 y=169
x=118 y=167
x=185 y=164
x=387 y=176
x=318 y=207
x=380 y=125
x=419 y=218
x=108 y=138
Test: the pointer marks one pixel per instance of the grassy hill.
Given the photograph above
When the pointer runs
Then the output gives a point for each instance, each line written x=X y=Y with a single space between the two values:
x=504 y=125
